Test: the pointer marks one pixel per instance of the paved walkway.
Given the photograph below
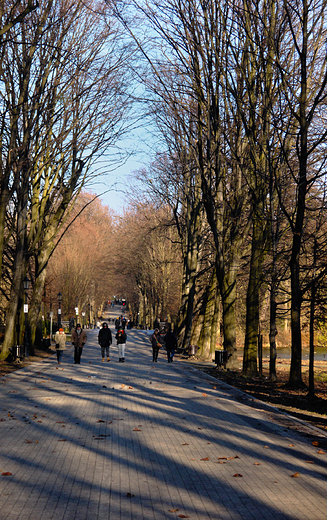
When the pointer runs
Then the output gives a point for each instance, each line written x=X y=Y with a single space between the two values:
x=137 y=440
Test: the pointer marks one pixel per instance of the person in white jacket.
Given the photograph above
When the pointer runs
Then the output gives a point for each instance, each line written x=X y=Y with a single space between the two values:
x=60 y=340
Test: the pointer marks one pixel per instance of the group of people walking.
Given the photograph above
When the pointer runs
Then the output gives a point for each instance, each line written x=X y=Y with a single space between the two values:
x=170 y=341
x=105 y=340
x=79 y=338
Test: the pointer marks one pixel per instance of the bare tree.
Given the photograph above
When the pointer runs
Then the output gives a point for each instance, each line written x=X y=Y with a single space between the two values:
x=67 y=112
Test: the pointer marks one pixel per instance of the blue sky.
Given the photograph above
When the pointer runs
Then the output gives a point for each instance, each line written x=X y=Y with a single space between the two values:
x=117 y=181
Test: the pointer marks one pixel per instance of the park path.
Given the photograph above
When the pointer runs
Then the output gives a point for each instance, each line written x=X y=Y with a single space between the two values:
x=142 y=440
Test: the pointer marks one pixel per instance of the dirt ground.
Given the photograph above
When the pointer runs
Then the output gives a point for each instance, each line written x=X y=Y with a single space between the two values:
x=294 y=402
x=7 y=367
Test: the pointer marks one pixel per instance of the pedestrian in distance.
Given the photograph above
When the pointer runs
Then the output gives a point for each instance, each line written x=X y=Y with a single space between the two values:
x=156 y=345
x=105 y=340
x=78 y=340
x=60 y=340
x=171 y=344
x=121 y=338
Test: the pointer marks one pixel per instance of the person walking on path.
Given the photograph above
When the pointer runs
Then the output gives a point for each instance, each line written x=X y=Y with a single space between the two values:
x=121 y=338
x=155 y=344
x=78 y=340
x=105 y=340
x=171 y=344
x=60 y=340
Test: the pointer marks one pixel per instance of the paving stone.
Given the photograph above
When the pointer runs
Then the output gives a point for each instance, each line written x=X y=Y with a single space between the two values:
x=142 y=440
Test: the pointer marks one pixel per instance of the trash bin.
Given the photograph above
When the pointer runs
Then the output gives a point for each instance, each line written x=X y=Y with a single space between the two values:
x=192 y=350
x=221 y=357
x=17 y=351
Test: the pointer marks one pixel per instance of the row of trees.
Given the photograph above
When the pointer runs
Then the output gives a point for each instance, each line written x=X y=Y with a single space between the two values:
x=238 y=92
x=236 y=197
x=63 y=102
x=133 y=256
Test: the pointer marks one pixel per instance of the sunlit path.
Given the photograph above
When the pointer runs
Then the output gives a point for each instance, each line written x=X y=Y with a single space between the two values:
x=146 y=441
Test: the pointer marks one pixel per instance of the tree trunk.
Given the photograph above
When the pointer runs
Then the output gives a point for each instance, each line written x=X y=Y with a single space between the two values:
x=311 y=393
x=272 y=336
x=209 y=304
x=252 y=301
x=215 y=325
x=16 y=287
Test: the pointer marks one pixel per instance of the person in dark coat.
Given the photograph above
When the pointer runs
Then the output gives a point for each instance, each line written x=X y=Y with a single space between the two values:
x=155 y=342
x=78 y=340
x=171 y=344
x=105 y=340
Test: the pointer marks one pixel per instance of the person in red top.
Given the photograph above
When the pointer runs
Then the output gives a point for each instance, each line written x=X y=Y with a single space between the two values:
x=121 y=338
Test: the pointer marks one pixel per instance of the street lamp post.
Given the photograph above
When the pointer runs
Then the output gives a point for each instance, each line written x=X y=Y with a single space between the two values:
x=59 y=309
x=26 y=284
x=83 y=321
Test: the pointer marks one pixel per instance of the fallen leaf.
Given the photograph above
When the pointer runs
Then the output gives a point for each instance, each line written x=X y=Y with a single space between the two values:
x=320 y=452
x=291 y=444
x=257 y=463
x=315 y=443
x=173 y=510
x=214 y=387
x=221 y=462
x=6 y=473
x=137 y=430
x=206 y=458
x=204 y=395
x=309 y=461
x=130 y=387
x=185 y=444
x=122 y=386
x=267 y=447
x=183 y=516
x=295 y=475
x=237 y=475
